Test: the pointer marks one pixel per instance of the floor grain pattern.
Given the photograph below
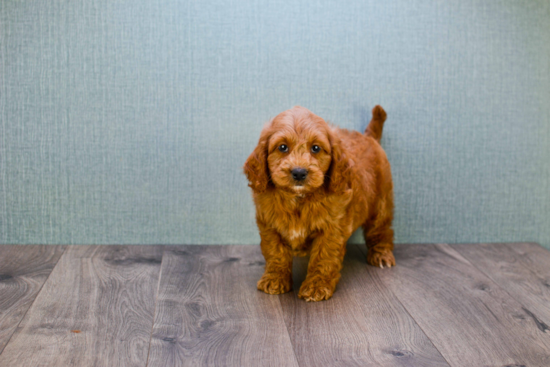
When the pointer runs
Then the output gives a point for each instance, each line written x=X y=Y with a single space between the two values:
x=522 y=269
x=96 y=309
x=209 y=312
x=362 y=325
x=23 y=271
x=442 y=305
x=468 y=317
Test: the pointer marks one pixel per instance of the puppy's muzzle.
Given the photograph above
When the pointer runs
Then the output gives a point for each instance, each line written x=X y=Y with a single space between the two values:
x=299 y=174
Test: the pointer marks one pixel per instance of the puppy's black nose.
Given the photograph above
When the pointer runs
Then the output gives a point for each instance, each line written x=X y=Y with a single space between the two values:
x=299 y=174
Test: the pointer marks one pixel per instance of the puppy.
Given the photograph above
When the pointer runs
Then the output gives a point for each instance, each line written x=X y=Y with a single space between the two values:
x=313 y=185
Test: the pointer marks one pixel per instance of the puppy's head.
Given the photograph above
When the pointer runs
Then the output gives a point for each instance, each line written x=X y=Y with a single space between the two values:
x=298 y=152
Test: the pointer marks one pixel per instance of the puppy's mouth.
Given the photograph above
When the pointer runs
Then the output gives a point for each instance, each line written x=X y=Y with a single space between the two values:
x=298 y=187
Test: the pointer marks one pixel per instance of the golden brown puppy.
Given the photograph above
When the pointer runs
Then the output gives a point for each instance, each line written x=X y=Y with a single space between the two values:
x=313 y=185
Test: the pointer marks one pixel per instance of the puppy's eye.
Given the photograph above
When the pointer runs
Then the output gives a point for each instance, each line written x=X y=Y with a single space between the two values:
x=283 y=148
x=315 y=149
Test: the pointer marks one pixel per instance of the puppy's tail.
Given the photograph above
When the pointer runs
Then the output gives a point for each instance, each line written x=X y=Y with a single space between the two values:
x=377 y=123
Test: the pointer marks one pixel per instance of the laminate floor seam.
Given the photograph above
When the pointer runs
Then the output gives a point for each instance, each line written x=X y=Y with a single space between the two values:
x=521 y=262
x=363 y=250
x=288 y=331
x=64 y=249
x=156 y=304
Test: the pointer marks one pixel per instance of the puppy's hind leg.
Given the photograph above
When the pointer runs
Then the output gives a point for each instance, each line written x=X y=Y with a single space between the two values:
x=379 y=236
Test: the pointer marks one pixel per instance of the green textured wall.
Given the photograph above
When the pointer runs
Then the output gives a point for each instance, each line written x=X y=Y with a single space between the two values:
x=129 y=121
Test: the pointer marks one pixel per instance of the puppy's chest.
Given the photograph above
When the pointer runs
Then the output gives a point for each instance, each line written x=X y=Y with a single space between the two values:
x=298 y=223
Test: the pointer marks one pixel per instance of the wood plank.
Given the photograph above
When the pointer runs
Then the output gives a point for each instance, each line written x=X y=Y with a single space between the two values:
x=23 y=271
x=468 y=317
x=209 y=312
x=95 y=309
x=363 y=324
x=522 y=269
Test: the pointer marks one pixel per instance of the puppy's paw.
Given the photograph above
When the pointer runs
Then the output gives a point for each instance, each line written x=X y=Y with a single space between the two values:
x=275 y=283
x=313 y=291
x=382 y=260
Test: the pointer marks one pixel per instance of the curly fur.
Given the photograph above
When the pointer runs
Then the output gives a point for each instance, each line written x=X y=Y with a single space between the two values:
x=348 y=185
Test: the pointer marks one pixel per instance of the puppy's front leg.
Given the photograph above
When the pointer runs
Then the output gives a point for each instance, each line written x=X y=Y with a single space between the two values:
x=277 y=277
x=325 y=263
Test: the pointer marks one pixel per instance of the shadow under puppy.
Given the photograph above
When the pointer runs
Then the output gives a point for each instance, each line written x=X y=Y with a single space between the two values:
x=313 y=185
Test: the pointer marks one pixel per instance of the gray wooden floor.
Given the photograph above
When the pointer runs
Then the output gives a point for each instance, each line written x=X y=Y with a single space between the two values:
x=459 y=305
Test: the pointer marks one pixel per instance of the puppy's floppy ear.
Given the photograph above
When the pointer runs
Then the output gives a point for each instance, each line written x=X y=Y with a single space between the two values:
x=340 y=168
x=255 y=167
